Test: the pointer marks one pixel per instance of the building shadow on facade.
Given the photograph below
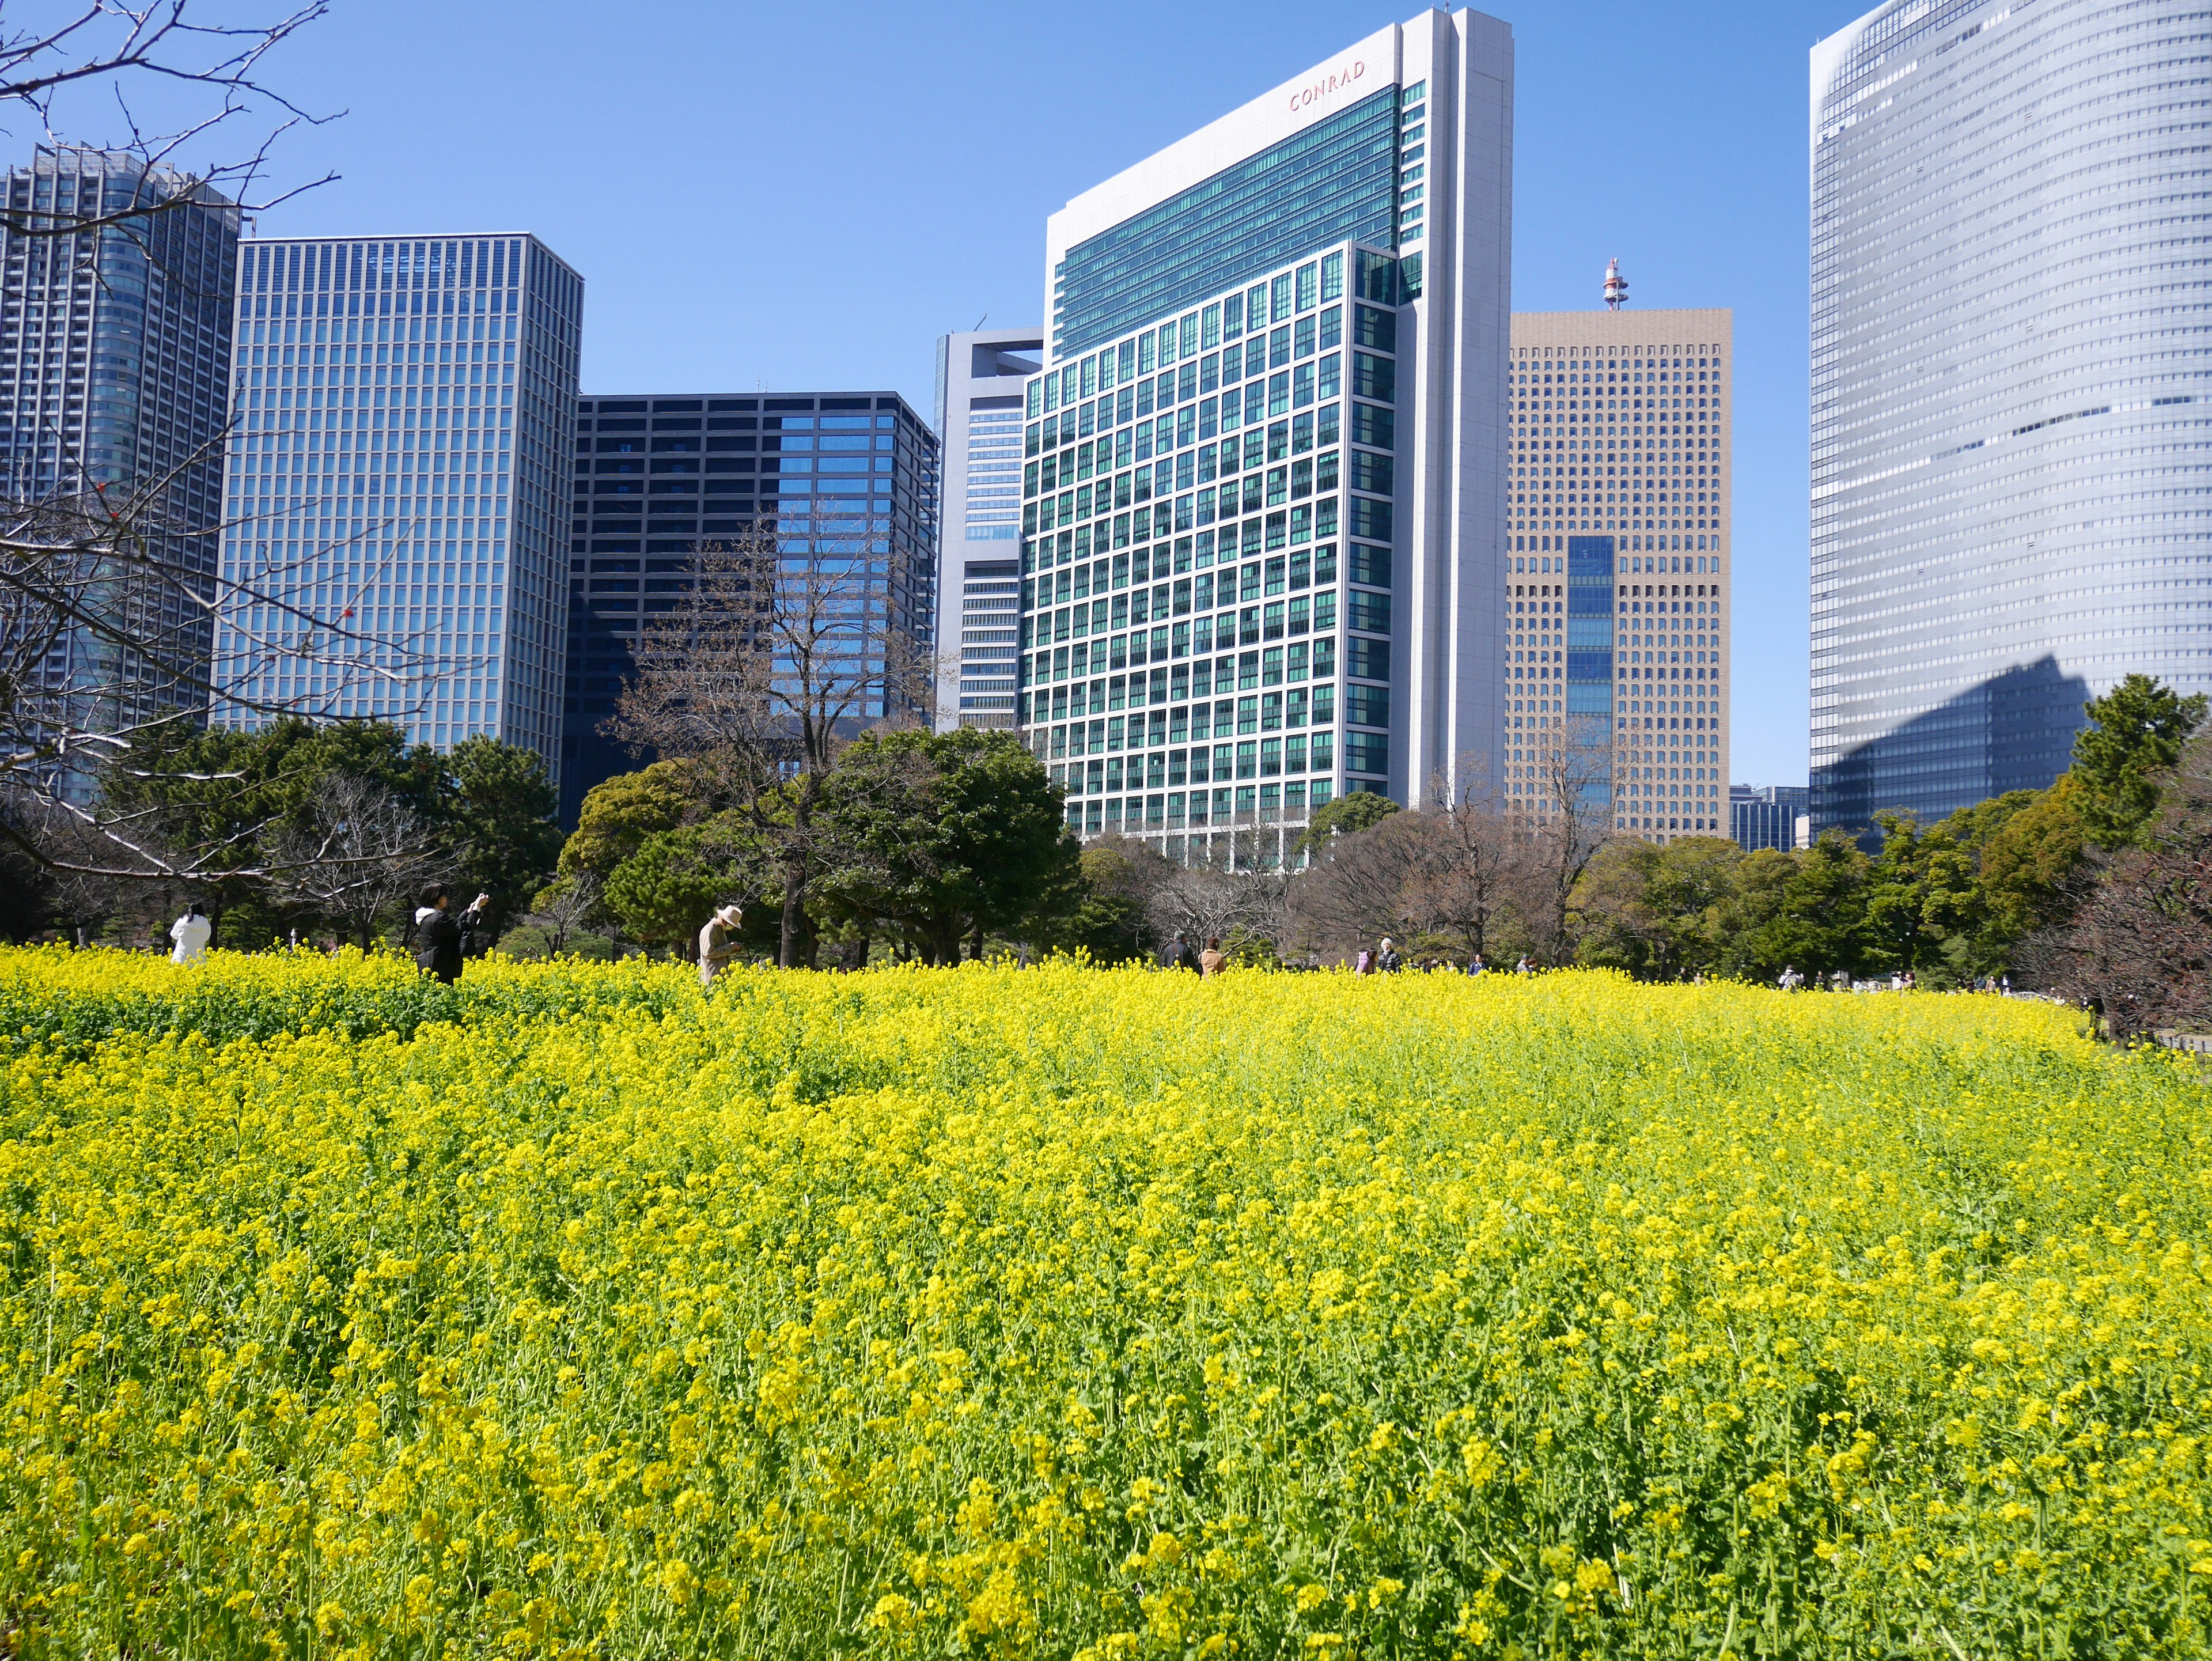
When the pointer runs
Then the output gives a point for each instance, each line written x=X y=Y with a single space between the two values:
x=2013 y=731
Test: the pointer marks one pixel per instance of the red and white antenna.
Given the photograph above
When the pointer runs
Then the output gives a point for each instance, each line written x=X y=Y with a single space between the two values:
x=1616 y=286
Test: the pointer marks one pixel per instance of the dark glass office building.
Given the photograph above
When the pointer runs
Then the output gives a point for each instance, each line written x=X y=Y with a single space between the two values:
x=656 y=477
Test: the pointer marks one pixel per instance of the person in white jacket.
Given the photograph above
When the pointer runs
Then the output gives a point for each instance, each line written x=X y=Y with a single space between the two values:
x=191 y=933
x=715 y=948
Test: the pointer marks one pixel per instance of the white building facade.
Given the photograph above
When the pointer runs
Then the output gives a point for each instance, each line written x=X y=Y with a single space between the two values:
x=2010 y=325
x=1263 y=509
x=981 y=376
x=403 y=414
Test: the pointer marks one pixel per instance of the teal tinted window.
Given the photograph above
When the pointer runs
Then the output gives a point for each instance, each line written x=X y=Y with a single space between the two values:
x=1330 y=183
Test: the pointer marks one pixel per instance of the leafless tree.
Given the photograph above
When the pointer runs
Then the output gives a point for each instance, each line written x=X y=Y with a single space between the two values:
x=109 y=584
x=1230 y=898
x=772 y=659
x=1355 y=888
x=567 y=907
x=1471 y=861
x=106 y=609
x=1458 y=867
x=1565 y=820
x=360 y=857
x=212 y=74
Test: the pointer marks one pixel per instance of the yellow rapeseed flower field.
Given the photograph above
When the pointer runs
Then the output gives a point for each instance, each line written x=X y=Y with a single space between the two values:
x=1064 y=1312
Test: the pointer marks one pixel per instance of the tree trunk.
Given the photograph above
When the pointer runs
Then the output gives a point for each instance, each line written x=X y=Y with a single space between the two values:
x=794 y=887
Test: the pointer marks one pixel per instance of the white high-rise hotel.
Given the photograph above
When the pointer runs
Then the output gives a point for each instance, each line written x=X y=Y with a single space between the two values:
x=1263 y=517
x=2011 y=321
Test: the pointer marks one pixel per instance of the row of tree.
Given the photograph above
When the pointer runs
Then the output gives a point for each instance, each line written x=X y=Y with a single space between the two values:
x=321 y=830
x=2096 y=888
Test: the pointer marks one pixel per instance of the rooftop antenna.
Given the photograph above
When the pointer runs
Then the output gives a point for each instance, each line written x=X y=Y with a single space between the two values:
x=1616 y=286
x=980 y=322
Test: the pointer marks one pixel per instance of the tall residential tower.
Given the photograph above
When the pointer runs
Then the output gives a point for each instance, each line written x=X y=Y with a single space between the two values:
x=1263 y=510
x=980 y=376
x=402 y=413
x=2010 y=322
x=1617 y=582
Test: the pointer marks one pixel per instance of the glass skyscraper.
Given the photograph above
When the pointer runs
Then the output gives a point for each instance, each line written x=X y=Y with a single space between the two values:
x=114 y=353
x=1618 y=568
x=2009 y=323
x=1263 y=514
x=403 y=412
x=1767 y=815
x=659 y=475
x=980 y=377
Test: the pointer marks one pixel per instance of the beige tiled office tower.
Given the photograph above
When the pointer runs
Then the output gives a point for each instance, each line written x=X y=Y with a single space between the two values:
x=1617 y=575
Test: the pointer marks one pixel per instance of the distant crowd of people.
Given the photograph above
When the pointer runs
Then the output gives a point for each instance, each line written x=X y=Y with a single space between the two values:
x=1382 y=958
x=442 y=939
x=1792 y=979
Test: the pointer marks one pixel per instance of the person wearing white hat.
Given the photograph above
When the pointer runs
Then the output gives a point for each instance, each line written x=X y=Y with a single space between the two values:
x=714 y=946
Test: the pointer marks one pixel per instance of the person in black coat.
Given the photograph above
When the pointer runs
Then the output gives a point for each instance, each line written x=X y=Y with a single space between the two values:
x=439 y=933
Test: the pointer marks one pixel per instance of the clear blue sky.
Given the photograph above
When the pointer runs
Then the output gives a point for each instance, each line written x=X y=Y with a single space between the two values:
x=806 y=197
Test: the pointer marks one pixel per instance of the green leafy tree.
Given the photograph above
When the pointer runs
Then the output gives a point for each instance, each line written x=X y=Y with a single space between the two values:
x=619 y=813
x=1654 y=910
x=674 y=879
x=1745 y=925
x=496 y=820
x=944 y=837
x=1921 y=895
x=2028 y=864
x=1346 y=816
x=2140 y=728
x=1819 y=923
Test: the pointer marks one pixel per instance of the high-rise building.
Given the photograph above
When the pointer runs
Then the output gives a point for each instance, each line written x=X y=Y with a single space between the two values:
x=980 y=376
x=401 y=415
x=114 y=356
x=1262 y=481
x=1769 y=815
x=660 y=475
x=1617 y=580
x=2009 y=327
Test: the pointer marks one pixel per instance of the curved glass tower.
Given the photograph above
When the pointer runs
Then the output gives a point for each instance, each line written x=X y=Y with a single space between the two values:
x=2011 y=488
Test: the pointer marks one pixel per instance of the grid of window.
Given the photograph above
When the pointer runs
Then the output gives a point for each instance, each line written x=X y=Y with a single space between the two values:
x=1331 y=182
x=400 y=412
x=1617 y=495
x=114 y=352
x=2008 y=504
x=655 y=476
x=1206 y=559
x=992 y=496
x=1766 y=816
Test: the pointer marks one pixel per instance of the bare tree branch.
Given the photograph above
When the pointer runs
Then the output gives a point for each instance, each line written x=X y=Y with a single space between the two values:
x=1566 y=818
x=360 y=858
x=107 y=608
x=111 y=45
x=772 y=658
